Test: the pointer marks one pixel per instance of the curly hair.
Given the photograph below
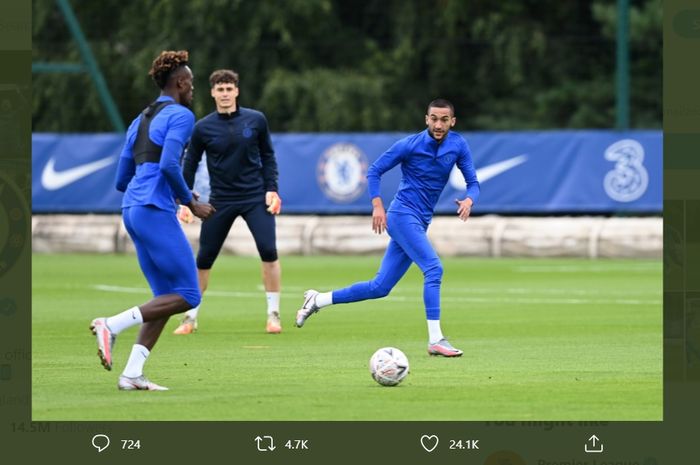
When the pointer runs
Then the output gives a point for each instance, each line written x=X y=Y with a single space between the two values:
x=164 y=65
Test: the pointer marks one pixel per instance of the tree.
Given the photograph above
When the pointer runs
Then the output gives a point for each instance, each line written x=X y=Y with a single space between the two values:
x=351 y=65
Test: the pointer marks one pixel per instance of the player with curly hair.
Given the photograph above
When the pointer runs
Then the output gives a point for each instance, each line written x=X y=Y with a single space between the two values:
x=150 y=177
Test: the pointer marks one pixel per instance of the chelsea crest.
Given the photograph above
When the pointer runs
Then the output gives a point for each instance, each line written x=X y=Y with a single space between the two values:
x=342 y=171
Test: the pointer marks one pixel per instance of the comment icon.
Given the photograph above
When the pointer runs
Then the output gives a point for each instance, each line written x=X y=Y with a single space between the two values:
x=100 y=442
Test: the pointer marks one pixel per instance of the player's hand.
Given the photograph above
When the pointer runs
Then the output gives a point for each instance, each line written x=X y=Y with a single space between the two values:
x=464 y=208
x=273 y=202
x=184 y=214
x=200 y=209
x=378 y=219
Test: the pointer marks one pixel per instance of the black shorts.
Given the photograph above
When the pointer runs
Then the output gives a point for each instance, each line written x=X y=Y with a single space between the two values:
x=216 y=228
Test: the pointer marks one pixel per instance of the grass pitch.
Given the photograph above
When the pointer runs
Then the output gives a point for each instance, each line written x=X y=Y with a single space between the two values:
x=570 y=339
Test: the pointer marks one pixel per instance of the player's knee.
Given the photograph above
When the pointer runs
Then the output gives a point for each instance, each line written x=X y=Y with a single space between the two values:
x=379 y=290
x=192 y=296
x=433 y=273
x=205 y=262
x=268 y=254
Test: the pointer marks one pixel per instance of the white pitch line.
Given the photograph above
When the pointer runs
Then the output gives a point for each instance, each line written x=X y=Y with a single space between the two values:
x=495 y=291
x=521 y=301
x=487 y=290
x=122 y=289
x=560 y=291
x=406 y=297
x=632 y=268
x=142 y=290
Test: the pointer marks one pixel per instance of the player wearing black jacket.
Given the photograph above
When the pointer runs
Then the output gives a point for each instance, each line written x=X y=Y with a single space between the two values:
x=243 y=180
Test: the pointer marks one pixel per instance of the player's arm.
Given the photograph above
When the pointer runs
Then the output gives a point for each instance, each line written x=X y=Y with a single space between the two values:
x=269 y=169
x=193 y=156
x=179 y=130
x=466 y=166
x=381 y=165
x=190 y=163
x=127 y=166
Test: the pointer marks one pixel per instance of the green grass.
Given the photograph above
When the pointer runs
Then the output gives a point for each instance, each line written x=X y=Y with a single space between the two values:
x=543 y=340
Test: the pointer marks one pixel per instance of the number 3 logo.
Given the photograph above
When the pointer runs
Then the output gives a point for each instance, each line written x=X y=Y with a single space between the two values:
x=629 y=178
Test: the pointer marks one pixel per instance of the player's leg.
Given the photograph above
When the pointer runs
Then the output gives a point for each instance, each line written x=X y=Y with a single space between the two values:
x=169 y=268
x=211 y=238
x=176 y=282
x=203 y=280
x=132 y=377
x=107 y=329
x=262 y=227
x=272 y=281
x=188 y=325
x=410 y=233
x=176 y=289
x=150 y=332
x=394 y=265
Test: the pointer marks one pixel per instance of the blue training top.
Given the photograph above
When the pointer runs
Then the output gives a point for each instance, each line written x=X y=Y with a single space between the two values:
x=425 y=167
x=240 y=157
x=157 y=184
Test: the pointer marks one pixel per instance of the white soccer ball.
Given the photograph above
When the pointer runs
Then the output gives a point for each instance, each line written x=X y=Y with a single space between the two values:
x=388 y=366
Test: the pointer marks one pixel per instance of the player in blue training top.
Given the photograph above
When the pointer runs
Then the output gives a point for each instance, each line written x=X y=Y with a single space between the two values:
x=426 y=159
x=243 y=179
x=149 y=175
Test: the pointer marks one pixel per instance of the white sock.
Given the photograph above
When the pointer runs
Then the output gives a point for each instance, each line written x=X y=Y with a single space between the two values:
x=273 y=302
x=192 y=313
x=434 y=331
x=124 y=320
x=324 y=299
x=134 y=367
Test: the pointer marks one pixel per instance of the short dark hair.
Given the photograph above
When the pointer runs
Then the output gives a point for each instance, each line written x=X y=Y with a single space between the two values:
x=441 y=103
x=223 y=76
x=165 y=64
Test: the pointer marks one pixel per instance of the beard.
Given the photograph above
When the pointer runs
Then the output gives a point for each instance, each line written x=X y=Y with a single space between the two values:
x=443 y=134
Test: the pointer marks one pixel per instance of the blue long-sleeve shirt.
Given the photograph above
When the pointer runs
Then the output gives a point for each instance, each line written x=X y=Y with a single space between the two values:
x=157 y=184
x=425 y=167
x=240 y=157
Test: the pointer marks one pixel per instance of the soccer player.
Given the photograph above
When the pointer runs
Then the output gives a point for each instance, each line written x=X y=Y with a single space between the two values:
x=426 y=159
x=243 y=179
x=150 y=177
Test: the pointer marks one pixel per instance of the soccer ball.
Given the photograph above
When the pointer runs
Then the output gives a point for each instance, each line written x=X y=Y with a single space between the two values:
x=388 y=366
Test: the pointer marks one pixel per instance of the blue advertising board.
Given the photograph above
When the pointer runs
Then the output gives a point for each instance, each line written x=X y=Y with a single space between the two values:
x=548 y=172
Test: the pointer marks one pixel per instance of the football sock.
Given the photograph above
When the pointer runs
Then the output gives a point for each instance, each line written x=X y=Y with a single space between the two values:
x=192 y=313
x=134 y=367
x=324 y=299
x=124 y=320
x=434 y=331
x=273 y=302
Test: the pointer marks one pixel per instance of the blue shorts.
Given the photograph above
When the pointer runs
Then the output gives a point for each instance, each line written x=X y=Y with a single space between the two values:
x=164 y=254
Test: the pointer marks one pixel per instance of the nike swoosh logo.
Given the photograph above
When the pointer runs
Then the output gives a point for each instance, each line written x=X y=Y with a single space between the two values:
x=485 y=173
x=52 y=180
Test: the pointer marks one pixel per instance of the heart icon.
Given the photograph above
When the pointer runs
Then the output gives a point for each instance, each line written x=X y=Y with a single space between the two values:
x=429 y=443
